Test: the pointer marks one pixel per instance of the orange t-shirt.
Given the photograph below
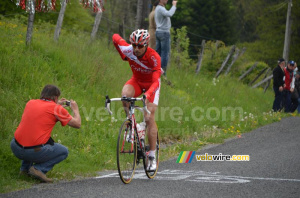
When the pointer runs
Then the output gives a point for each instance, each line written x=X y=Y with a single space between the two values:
x=38 y=120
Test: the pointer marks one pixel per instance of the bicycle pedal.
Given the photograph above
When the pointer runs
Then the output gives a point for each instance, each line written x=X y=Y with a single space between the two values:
x=137 y=161
x=140 y=156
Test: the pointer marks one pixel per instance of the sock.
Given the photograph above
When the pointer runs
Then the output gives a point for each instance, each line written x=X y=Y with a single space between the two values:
x=152 y=153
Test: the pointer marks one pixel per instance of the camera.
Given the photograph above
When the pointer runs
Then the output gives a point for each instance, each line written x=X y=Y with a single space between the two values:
x=68 y=103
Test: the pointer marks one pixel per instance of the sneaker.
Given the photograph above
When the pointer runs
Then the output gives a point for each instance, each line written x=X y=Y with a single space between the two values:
x=151 y=164
x=39 y=174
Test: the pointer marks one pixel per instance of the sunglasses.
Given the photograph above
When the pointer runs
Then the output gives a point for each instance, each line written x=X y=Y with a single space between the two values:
x=139 y=46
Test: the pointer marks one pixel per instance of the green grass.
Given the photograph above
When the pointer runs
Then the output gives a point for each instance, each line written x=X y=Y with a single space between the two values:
x=191 y=114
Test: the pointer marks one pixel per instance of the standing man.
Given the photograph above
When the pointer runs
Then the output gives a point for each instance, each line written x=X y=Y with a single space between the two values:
x=163 y=26
x=295 y=93
x=278 y=83
x=32 y=142
x=288 y=86
x=297 y=87
x=145 y=66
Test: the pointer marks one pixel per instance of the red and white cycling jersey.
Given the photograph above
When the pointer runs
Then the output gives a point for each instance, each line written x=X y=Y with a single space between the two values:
x=145 y=70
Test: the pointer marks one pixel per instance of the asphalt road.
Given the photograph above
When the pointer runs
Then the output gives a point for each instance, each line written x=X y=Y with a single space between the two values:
x=273 y=171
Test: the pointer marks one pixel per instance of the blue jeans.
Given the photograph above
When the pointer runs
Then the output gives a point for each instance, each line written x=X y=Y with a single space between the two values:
x=277 y=105
x=42 y=158
x=287 y=101
x=163 y=48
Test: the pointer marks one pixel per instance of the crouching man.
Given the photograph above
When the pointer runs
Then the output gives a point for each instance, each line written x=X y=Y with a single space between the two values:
x=32 y=142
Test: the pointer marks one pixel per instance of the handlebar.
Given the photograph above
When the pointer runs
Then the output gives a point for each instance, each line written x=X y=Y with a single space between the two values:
x=108 y=101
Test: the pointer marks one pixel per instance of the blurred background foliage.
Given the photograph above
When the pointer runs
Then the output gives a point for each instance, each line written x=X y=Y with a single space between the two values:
x=258 y=25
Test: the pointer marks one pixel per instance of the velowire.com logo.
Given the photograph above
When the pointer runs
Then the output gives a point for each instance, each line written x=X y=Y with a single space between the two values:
x=187 y=157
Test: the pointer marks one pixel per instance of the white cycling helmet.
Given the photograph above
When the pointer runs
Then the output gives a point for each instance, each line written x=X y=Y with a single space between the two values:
x=140 y=37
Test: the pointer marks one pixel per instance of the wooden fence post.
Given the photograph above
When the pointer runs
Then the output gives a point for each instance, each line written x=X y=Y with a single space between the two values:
x=263 y=81
x=260 y=73
x=216 y=48
x=225 y=61
x=235 y=56
x=267 y=73
x=243 y=51
x=248 y=71
x=200 y=57
x=267 y=84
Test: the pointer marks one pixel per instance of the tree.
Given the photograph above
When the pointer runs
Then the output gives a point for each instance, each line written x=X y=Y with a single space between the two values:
x=98 y=7
x=31 y=6
x=8 y=7
x=30 y=22
x=246 y=21
x=268 y=20
x=60 y=20
x=139 y=15
x=143 y=10
x=211 y=20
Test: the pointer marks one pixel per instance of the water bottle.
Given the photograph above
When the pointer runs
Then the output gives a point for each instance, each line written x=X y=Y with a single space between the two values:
x=129 y=137
x=141 y=129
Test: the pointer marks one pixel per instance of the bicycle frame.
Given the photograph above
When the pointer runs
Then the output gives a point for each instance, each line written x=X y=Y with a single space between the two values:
x=130 y=140
x=131 y=115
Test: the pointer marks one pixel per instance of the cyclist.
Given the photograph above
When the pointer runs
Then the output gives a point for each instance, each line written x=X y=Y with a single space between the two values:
x=145 y=64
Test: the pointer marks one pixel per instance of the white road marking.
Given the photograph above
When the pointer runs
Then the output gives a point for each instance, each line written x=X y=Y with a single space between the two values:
x=197 y=176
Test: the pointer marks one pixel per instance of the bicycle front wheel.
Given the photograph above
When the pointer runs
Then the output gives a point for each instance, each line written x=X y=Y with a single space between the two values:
x=126 y=152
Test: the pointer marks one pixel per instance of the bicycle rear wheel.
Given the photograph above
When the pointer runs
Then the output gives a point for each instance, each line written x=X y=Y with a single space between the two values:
x=126 y=152
x=151 y=174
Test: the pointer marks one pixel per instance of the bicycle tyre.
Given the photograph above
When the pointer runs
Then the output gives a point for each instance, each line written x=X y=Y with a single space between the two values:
x=151 y=174
x=126 y=153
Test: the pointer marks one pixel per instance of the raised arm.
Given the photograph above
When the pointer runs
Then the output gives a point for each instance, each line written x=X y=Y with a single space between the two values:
x=119 y=41
x=75 y=122
x=168 y=13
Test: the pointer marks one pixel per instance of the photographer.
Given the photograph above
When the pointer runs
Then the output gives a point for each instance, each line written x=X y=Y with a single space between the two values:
x=32 y=142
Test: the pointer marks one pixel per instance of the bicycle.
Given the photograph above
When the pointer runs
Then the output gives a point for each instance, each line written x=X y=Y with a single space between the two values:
x=131 y=147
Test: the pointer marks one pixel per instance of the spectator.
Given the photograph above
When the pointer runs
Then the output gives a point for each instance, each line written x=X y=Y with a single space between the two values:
x=295 y=85
x=32 y=142
x=163 y=26
x=152 y=26
x=288 y=87
x=278 y=74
